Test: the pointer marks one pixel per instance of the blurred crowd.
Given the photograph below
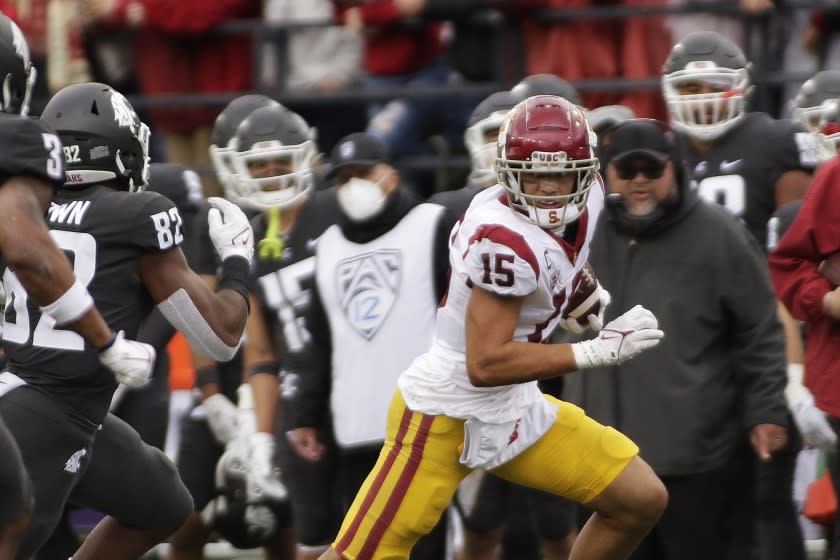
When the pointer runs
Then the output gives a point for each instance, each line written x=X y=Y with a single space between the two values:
x=149 y=48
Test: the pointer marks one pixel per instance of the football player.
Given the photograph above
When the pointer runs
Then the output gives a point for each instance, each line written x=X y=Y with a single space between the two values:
x=273 y=162
x=125 y=245
x=813 y=98
x=748 y=162
x=545 y=84
x=751 y=164
x=32 y=166
x=146 y=408
x=480 y=141
x=486 y=502
x=379 y=273
x=471 y=401
x=214 y=420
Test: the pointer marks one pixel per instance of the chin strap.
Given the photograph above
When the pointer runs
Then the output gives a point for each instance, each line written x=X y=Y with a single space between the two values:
x=271 y=246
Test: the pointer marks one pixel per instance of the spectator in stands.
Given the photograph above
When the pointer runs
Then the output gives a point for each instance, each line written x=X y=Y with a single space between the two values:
x=319 y=60
x=177 y=52
x=600 y=48
x=719 y=373
x=399 y=54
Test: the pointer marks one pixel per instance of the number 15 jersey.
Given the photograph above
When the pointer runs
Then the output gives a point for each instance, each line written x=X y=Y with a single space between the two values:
x=498 y=251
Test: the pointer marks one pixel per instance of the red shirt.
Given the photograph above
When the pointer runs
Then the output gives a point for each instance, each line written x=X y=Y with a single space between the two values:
x=175 y=53
x=814 y=234
x=390 y=48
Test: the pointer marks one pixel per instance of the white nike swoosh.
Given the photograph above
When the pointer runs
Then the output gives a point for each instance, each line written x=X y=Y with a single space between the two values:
x=727 y=166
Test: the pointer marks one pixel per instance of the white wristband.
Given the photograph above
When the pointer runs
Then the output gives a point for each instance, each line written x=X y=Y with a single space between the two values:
x=70 y=305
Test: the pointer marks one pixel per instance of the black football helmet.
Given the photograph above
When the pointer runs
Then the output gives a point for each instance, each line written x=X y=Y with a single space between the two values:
x=545 y=84
x=16 y=68
x=267 y=134
x=814 y=97
x=486 y=118
x=248 y=512
x=224 y=129
x=104 y=139
x=178 y=183
x=709 y=58
x=602 y=118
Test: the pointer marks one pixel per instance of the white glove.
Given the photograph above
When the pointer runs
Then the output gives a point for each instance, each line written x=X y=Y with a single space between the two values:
x=131 y=361
x=594 y=322
x=263 y=476
x=623 y=338
x=810 y=420
x=230 y=231
x=222 y=418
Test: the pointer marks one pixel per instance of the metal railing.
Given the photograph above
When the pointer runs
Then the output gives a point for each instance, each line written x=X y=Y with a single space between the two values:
x=758 y=33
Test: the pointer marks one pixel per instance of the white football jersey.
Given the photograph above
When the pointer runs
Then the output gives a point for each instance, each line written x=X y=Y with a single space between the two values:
x=500 y=251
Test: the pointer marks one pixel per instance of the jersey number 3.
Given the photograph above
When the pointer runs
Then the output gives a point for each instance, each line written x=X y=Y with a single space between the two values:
x=16 y=325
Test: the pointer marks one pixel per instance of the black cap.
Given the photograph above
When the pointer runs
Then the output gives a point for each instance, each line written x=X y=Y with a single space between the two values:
x=359 y=149
x=637 y=137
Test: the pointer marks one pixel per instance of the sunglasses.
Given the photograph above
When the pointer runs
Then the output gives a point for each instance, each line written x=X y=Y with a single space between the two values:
x=629 y=168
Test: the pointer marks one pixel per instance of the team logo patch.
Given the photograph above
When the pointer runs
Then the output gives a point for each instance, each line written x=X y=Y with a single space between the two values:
x=368 y=286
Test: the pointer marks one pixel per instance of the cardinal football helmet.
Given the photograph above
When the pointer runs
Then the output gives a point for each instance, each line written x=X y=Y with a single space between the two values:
x=103 y=138
x=547 y=134
x=705 y=57
x=814 y=97
x=16 y=68
x=273 y=133
x=485 y=119
x=224 y=130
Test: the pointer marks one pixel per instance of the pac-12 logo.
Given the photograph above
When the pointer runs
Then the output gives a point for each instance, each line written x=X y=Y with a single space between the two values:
x=368 y=286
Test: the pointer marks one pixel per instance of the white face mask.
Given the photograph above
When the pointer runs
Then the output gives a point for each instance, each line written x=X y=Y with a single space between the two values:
x=361 y=199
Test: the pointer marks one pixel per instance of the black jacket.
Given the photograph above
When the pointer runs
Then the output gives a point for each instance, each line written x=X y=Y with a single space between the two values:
x=721 y=367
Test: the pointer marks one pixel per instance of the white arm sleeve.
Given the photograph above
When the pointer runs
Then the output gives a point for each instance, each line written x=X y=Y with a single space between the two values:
x=180 y=310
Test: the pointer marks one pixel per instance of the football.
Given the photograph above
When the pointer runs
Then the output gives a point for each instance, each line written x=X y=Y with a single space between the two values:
x=585 y=299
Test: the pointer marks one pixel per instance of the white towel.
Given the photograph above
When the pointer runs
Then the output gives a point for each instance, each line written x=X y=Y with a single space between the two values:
x=488 y=445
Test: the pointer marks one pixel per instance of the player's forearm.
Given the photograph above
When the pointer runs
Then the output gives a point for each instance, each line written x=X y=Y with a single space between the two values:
x=230 y=313
x=519 y=362
x=265 y=388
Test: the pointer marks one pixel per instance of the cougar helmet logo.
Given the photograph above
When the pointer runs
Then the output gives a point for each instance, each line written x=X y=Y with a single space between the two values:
x=19 y=43
x=123 y=113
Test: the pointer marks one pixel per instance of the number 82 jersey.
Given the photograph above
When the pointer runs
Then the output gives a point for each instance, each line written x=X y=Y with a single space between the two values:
x=103 y=232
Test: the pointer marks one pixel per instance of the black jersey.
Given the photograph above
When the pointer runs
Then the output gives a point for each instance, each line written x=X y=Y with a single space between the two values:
x=284 y=286
x=740 y=171
x=103 y=232
x=30 y=148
